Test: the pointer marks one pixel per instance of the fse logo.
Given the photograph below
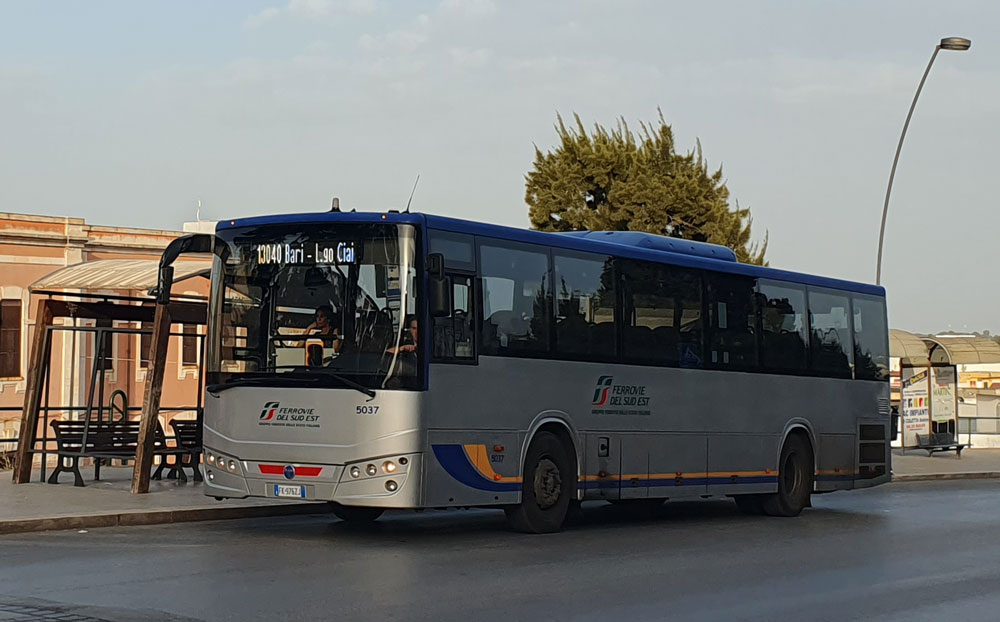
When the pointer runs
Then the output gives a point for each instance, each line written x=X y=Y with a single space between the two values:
x=601 y=391
x=269 y=411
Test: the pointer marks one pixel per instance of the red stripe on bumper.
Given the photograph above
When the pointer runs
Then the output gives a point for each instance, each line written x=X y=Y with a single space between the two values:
x=279 y=469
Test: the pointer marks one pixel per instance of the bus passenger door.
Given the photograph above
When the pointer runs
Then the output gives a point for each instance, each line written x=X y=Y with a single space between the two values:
x=602 y=467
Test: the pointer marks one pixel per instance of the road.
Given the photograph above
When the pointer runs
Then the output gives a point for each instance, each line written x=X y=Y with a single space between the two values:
x=914 y=551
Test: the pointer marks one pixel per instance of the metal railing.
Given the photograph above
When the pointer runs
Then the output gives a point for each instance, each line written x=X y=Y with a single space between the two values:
x=985 y=426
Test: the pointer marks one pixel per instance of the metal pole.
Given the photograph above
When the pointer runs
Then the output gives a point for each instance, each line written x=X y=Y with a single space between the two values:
x=895 y=160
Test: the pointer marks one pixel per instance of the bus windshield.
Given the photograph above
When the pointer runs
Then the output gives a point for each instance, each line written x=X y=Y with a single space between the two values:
x=335 y=305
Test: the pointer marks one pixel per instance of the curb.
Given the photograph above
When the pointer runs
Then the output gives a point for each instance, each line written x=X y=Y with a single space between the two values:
x=927 y=477
x=158 y=517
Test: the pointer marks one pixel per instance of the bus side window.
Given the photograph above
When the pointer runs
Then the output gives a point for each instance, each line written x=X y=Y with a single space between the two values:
x=517 y=299
x=782 y=307
x=732 y=341
x=831 y=351
x=453 y=335
x=871 y=350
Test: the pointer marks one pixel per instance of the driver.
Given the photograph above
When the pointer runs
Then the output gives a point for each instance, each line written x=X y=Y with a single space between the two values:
x=323 y=325
x=408 y=343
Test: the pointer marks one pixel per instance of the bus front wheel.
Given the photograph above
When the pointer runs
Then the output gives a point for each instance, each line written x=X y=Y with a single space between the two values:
x=355 y=514
x=547 y=488
x=795 y=479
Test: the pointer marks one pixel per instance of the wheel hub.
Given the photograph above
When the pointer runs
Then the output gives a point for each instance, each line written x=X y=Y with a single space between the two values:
x=548 y=483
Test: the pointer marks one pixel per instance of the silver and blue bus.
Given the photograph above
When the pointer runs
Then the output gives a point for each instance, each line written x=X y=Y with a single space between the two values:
x=397 y=360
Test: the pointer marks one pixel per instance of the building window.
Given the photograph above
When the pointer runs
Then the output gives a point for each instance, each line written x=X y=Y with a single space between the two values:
x=107 y=349
x=145 y=344
x=189 y=346
x=10 y=339
x=516 y=300
x=585 y=306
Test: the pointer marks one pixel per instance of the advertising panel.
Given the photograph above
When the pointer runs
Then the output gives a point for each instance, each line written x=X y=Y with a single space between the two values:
x=916 y=405
x=943 y=393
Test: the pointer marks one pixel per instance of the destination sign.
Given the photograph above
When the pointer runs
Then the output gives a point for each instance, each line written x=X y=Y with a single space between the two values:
x=316 y=253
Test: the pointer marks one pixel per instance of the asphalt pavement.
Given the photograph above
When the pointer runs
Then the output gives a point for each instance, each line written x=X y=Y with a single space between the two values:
x=908 y=551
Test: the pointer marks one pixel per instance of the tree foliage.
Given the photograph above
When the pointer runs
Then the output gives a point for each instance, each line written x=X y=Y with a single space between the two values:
x=619 y=180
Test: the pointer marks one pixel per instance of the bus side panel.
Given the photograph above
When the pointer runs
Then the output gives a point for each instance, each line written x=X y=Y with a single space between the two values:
x=472 y=467
x=835 y=462
x=742 y=463
x=677 y=465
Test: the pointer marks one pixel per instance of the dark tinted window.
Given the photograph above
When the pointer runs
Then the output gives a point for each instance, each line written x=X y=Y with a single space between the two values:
x=871 y=339
x=732 y=336
x=585 y=306
x=663 y=314
x=456 y=248
x=830 y=348
x=783 y=325
x=190 y=345
x=10 y=339
x=516 y=299
x=453 y=335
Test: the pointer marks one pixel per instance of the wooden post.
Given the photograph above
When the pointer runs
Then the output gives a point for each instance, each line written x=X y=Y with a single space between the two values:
x=151 y=400
x=38 y=362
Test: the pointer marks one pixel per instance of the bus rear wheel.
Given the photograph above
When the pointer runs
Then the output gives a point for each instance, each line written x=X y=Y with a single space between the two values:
x=547 y=489
x=795 y=479
x=355 y=514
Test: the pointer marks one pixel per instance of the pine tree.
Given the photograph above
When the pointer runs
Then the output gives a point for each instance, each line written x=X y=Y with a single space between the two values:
x=619 y=180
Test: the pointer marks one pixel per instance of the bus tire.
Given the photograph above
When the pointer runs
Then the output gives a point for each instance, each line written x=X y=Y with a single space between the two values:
x=356 y=514
x=547 y=489
x=795 y=479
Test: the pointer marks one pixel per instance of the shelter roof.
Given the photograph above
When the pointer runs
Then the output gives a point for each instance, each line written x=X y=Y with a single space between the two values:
x=963 y=350
x=909 y=348
x=117 y=274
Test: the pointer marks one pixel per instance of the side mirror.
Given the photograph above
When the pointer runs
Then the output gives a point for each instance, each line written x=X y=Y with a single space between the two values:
x=439 y=287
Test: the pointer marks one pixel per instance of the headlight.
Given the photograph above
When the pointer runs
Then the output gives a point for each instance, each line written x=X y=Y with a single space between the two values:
x=371 y=470
x=232 y=465
x=355 y=471
x=391 y=486
x=211 y=458
x=389 y=466
x=211 y=476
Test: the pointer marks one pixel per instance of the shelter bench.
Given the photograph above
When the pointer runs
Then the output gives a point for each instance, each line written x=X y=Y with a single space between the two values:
x=102 y=440
x=941 y=441
x=187 y=435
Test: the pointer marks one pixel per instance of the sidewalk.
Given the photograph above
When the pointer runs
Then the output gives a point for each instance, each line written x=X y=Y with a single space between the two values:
x=39 y=507
x=916 y=465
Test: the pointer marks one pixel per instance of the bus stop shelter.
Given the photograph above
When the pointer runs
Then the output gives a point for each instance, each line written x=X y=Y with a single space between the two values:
x=79 y=292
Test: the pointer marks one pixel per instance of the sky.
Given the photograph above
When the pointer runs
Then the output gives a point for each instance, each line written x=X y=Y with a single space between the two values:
x=129 y=113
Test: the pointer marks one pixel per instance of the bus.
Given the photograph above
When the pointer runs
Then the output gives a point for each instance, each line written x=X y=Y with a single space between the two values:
x=410 y=361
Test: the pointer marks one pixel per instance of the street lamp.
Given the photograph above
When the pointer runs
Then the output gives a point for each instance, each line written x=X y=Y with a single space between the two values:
x=957 y=44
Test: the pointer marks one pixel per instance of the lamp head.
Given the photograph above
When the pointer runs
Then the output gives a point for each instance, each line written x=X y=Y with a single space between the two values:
x=957 y=44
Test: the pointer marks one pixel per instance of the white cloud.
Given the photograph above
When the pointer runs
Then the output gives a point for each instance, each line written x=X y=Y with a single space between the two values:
x=470 y=59
x=403 y=40
x=259 y=19
x=468 y=8
x=312 y=10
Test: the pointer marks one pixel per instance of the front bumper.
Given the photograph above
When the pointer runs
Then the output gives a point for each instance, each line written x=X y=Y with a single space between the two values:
x=322 y=482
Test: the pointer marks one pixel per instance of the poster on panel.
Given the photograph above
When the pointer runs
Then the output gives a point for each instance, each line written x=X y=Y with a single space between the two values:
x=916 y=406
x=943 y=393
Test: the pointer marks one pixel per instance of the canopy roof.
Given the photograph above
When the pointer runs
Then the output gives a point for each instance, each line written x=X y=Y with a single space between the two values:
x=128 y=274
x=963 y=350
x=910 y=349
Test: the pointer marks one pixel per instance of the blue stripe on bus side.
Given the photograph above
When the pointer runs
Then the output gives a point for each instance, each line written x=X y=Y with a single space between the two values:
x=456 y=463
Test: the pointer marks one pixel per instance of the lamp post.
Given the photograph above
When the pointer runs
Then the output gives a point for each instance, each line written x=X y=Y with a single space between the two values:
x=957 y=44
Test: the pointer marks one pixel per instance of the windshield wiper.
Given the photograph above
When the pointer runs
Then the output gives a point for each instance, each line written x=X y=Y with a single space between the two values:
x=291 y=379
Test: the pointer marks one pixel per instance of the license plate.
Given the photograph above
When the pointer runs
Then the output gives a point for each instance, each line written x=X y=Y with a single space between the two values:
x=294 y=492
